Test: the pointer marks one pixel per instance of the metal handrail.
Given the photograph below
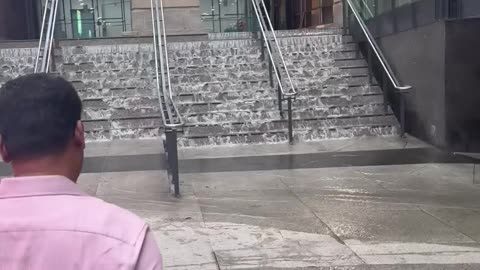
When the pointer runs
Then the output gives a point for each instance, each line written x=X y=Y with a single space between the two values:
x=393 y=79
x=256 y=5
x=165 y=90
x=276 y=63
x=47 y=47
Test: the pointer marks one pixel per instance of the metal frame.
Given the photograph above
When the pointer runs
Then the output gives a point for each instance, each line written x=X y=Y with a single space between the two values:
x=277 y=63
x=373 y=47
x=46 y=38
x=170 y=115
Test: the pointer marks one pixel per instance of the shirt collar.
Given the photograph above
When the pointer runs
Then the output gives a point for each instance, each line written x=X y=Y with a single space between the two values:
x=38 y=186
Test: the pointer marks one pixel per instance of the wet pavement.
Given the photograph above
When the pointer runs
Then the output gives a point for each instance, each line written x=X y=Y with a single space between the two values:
x=409 y=215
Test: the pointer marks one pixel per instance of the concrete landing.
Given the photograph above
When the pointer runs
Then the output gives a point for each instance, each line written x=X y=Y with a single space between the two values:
x=403 y=216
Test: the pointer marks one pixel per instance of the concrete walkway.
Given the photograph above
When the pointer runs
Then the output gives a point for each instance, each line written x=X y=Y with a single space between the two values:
x=408 y=216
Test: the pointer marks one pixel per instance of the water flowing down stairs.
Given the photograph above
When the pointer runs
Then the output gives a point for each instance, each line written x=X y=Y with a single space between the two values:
x=222 y=88
x=225 y=95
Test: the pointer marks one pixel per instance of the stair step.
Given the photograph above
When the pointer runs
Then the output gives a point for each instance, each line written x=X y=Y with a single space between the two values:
x=121 y=134
x=120 y=113
x=298 y=125
x=91 y=93
x=277 y=137
x=121 y=102
x=272 y=103
x=239 y=116
x=112 y=74
x=123 y=124
x=302 y=82
x=228 y=95
x=282 y=137
x=255 y=49
x=220 y=77
x=134 y=82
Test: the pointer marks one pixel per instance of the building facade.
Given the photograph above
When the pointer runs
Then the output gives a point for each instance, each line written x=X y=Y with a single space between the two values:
x=87 y=19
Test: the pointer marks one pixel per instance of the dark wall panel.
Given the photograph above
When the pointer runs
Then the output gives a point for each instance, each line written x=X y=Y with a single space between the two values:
x=18 y=20
x=417 y=57
x=463 y=84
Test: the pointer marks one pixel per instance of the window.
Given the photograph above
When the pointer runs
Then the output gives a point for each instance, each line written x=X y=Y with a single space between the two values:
x=79 y=19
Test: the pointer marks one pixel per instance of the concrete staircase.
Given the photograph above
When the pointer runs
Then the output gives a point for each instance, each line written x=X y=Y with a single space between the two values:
x=225 y=95
x=222 y=87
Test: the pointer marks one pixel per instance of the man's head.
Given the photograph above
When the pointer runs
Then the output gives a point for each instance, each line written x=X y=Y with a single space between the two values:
x=40 y=127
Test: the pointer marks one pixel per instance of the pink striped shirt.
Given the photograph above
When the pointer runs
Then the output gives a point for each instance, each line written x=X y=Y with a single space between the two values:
x=46 y=222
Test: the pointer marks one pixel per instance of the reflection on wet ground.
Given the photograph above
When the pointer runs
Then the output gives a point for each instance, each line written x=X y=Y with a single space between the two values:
x=393 y=208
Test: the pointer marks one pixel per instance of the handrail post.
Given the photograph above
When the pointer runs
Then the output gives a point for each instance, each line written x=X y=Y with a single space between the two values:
x=270 y=72
x=290 y=120
x=172 y=156
x=402 y=114
x=280 y=96
x=280 y=102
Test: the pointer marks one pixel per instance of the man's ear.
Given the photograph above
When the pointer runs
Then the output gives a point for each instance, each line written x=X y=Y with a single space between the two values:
x=79 y=137
x=4 y=151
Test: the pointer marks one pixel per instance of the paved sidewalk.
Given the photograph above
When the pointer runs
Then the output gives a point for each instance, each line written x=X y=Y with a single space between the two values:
x=410 y=216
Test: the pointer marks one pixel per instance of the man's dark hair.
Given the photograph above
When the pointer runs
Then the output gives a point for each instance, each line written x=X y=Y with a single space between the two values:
x=38 y=115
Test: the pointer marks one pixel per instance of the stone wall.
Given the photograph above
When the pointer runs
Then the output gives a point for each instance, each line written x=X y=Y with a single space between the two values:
x=182 y=17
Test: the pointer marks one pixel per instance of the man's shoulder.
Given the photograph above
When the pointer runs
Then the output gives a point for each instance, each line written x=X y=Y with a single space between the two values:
x=109 y=220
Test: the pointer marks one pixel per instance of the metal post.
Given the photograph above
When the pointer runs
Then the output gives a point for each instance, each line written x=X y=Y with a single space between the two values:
x=280 y=100
x=384 y=89
x=290 y=121
x=172 y=153
x=270 y=72
x=280 y=94
x=402 y=115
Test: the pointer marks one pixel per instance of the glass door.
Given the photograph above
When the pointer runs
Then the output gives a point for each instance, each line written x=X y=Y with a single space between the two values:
x=225 y=15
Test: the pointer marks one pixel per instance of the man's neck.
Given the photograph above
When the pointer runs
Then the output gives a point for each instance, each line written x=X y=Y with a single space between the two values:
x=41 y=166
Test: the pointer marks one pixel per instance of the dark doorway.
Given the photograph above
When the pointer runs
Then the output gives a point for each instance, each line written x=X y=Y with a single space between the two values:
x=18 y=20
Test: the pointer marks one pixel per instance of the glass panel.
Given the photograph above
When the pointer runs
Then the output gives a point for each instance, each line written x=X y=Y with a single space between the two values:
x=91 y=18
x=112 y=20
x=83 y=22
x=225 y=15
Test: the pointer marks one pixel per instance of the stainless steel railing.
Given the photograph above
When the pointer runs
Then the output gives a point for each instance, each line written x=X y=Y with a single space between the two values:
x=387 y=72
x=286 y=89
x=170 y=114
x=171 y=118
x=45 y=44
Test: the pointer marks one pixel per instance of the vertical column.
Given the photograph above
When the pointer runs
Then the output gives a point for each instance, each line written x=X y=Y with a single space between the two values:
x=339 y=13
